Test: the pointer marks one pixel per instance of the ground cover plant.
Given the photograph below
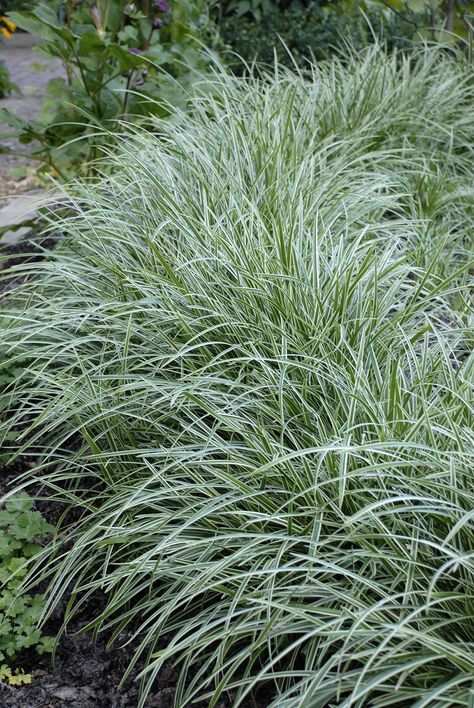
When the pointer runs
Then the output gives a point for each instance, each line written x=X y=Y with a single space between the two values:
x=21 y=528
x=252 y=370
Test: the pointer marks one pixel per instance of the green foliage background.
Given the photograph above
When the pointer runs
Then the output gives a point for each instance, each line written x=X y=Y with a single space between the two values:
x=305 y=31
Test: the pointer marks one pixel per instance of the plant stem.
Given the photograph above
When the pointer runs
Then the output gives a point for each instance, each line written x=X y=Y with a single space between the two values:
x=450 y=15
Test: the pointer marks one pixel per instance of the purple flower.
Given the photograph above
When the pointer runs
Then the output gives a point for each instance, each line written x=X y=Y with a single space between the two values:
x=135 y=50
x=161 y=6
x=157 y=23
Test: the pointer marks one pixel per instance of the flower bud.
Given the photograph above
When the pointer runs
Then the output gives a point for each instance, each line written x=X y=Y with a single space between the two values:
x=161 y=6
x=96 y=16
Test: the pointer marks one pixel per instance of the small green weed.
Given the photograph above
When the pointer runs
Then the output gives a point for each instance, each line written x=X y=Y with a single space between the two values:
x=21 y=529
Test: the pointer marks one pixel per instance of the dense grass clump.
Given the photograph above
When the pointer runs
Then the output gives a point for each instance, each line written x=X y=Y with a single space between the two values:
x=257 y=342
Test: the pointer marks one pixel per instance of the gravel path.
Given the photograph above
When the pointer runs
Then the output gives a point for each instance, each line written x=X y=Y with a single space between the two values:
x=20 y=55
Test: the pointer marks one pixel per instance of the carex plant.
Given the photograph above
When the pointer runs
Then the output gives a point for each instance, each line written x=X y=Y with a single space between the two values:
x=251 y=369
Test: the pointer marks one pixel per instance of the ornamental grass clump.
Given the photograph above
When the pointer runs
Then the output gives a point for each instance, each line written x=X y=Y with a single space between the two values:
x=252 y=369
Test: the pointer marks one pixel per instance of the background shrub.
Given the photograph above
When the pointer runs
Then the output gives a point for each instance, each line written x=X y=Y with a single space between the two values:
x=253 y=28
x=309 y=30
x=8 y=5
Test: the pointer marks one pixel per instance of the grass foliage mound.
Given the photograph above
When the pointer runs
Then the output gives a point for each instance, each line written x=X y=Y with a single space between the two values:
x=257 y=342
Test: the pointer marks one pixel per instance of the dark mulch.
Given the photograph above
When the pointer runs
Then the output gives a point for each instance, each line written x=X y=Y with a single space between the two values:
x=86 y=674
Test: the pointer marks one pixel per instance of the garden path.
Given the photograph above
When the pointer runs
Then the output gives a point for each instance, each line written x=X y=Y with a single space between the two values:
x=23 y=61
